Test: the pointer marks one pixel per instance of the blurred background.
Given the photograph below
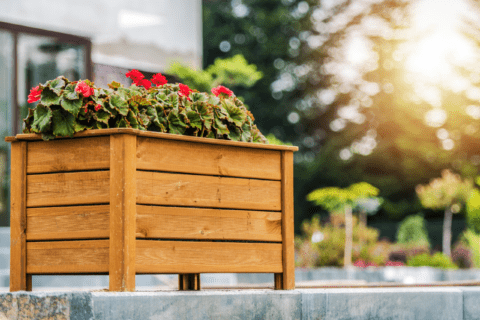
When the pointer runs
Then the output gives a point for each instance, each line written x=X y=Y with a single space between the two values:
x=382 y=97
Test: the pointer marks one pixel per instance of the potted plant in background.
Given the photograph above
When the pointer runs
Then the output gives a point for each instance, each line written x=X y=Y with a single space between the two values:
x=144 y=170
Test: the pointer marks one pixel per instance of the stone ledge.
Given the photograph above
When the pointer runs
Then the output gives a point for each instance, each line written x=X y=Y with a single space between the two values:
x=372 y=303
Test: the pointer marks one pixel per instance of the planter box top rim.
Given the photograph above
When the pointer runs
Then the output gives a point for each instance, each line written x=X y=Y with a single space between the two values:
x=158 y=135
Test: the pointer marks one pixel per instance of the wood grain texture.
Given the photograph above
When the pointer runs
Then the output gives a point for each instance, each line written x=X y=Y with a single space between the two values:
x=207 y=257
x=208 y=224
x=288 y=277
x=70 y=188
x=207 y=191
x=68 y=155
x=158 y=135
x=79 y=222
x=201 y=158
x=18 y=266
x=65 y=257
x=122 y=212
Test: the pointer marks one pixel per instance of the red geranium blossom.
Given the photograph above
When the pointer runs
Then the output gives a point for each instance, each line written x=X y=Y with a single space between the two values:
x=98 y=107
x=159 y=79
x=221 y=89
x=135 y=75
x=34 y=94
x=184 y=90
x=394 y=264
x=84 y=89
x=143 y=83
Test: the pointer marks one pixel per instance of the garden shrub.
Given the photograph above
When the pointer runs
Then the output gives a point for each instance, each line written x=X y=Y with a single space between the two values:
x=462 y=256
x=472 y=240
x=438 y=260
x=413 y=231
x=473 y=211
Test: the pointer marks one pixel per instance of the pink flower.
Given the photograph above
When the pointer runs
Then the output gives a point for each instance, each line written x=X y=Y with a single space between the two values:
x=221 y=89
x=34 y=95
x=98 y=107
x=360 y=263
x=143 y=83
x=184 y=90
x=84 y=89
x=135 y=75
x=159 y=79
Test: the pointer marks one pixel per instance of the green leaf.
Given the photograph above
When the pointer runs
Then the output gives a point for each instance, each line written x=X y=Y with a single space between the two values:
x=119 y=104
x=56 y=85
x=80 y=127
x=235 y=114
x=115 y=85
x=198 y=96
x=213 y=100
x=70 y=92
x=27 y=122
x=246 y=133
x=42 y=118
x=47 y=136
x=102 y=116
x=123 y=123
x=220 y=127
x=195 y=120
x=132 y=119
x=72 y=106
x=172 y=100
x=175 y=123
x=63 y=123
x=49 y=97
x=235 y=133
x=206 y=114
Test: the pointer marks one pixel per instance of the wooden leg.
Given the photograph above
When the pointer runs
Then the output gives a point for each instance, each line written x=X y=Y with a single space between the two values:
x=288 y=251
x=189 y=281
x=122 y=212
x=18 y=217
x=278 y=281
x=29 y=282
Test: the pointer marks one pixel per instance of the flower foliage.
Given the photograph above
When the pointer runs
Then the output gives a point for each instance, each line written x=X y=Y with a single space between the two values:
x=68 y=107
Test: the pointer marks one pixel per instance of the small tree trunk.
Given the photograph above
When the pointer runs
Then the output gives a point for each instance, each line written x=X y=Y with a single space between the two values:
x=447 y=232
x=347 y=258
x=363 y=217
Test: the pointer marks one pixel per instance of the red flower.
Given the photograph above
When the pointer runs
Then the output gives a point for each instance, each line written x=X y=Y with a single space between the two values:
x=184 y=90
x=84 y=89
x=221 y=89
x=135 y=75
x=143 y=83
x=159 y=79
x=360 y=263
x=86 y=107
x=98 y=107
x=34 y=94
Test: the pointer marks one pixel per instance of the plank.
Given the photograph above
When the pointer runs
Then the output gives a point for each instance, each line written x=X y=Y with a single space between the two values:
x=91 y=187
x=207 y=224
x=18 y=267
x=65 y=257
x=79 y=222
x=122 y=212
x=177 y=156
x=207 y=191
x=158 y=135
x=288 y=277
x=207 y=257
x=68 y=155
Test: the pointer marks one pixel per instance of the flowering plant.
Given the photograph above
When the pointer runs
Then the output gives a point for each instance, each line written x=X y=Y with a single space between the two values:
x=66 y=107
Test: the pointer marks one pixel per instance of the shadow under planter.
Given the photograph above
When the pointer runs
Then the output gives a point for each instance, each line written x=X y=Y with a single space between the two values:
x=123 y=202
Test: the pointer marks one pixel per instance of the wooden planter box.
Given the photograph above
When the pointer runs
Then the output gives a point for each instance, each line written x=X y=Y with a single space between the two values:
x=124 y=202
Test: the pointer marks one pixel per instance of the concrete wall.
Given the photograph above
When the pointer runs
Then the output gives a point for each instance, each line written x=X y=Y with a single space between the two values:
x=391 y=303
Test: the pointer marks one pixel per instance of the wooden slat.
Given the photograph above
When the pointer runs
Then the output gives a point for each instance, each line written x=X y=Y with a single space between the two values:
x=288 y=277
x=122 y=212
x=88 y=256
x=201 y=158
x=80 y=222
x=68 y=155
x=207 y=257
x=208 y=224
x=158 y=135
x=207 y=191
x=18 y=267
x=71 y=188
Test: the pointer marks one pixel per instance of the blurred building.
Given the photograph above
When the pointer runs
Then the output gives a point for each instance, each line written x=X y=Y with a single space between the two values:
x=94 y=39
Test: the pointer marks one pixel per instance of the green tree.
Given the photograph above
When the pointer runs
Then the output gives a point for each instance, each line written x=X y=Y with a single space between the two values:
x=336 y=199
x=413 y=230
x=448 y=193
